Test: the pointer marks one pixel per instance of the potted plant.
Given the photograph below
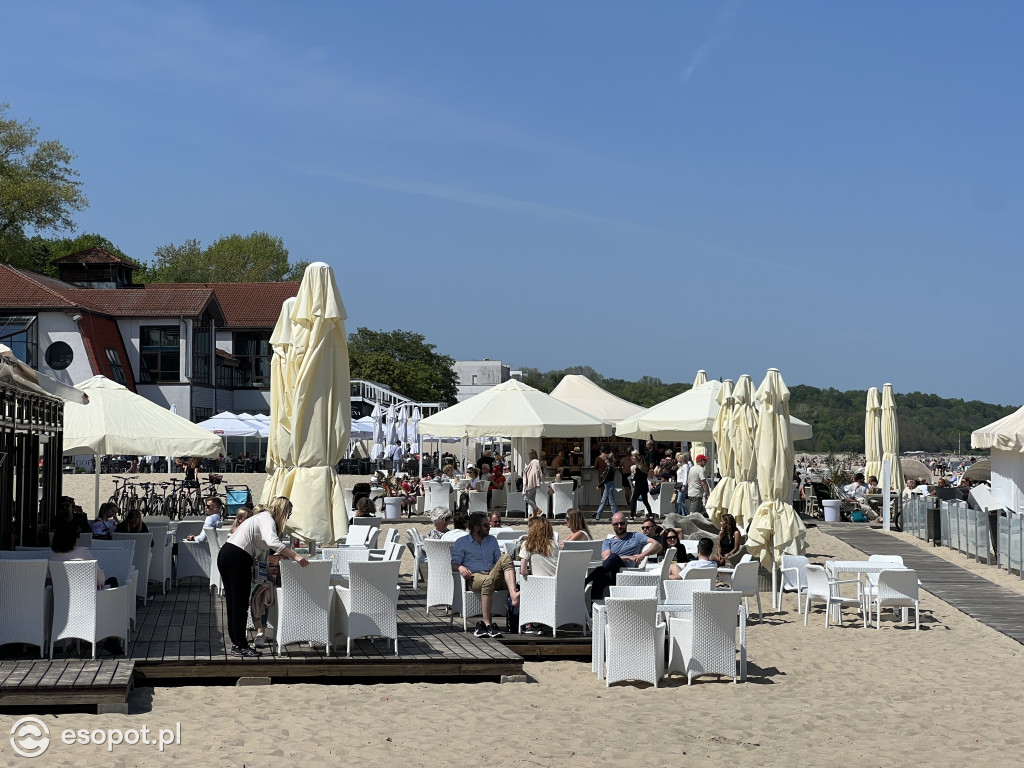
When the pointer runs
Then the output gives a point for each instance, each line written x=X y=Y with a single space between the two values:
x=392 y=494
x=838 y=476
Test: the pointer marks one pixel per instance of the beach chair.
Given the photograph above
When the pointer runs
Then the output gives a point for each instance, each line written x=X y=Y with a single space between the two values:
x=895 y=589
x=744 y=581
x=304 y=602
x=821 y=588
x=562 y=498
x=368 y=607
x=25 y=604
x=705 y=642
x=142 y=543
x=82 y=612
x=555 y=601
x=634 y=640
x=793 y=578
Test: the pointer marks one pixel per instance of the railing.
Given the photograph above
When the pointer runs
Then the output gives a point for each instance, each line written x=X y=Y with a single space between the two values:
x=378 y=393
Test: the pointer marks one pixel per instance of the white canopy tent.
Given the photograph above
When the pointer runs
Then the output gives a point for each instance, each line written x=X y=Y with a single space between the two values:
x=580 y=392
x=1005 y=439
x=118 y=421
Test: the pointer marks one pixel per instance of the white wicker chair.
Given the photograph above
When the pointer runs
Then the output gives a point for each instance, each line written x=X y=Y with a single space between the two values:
x=543 y=497
x=895 y=589
x=646 y=592
x=668 y=557
x=194 y=559
x=143 y=556
x=744 y=581
x=304 y=605
x=188 y=528
x=705 y=643
x=160 y=567
x=478 y=498
x=465 y=602
x=680 y=593
x=81 y=611
x=341 y=557
x=25 y=554
x=793 y=578
x=440 y=578
x=821 y=588
x=700 y=574
x=638 y=579
x=117 y=559
x=555 y=601
x=438 y=495
x=665 y=505
x=24 y=602
x=634 y=640
x=415 y=545
x=897 y=559
x=359 y=535
x=368 y=607
x=213 y=540
x=562 y=498
x=515 y=501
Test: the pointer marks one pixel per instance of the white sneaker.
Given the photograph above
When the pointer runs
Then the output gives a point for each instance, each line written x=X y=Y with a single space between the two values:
x=261 y=641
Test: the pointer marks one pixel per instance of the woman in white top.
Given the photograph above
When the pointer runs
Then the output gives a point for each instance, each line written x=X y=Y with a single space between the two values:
x=539 y=555
x=682 y=475
x=252 y=538
x=577 y=523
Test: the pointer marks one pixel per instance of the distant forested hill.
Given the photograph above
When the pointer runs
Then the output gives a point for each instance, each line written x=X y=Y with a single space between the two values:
x=927 y=422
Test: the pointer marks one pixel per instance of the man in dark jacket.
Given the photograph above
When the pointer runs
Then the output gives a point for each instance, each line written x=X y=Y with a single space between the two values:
x=606 y=482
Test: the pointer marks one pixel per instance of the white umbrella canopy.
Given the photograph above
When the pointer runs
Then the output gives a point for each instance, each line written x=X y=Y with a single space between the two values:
x=721 y=494
x=1006 y=434
x=742 y=439
x=687 y=416
x=403 y=423
x=118 y=421
x=378 y=432
x=513 y=409
x=775 y=529
x=581 y=392
x=698 y=448
x=228 y=424
x=873 y=435
x=362 y=428
x=315 y=375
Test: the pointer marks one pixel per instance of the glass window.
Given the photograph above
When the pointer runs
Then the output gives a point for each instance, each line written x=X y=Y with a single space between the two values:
x=59 y=355
x=116 y=368
x=161 y=353
x=19 y=333
x=201 y=414
x=201 y=341
x=253 y=351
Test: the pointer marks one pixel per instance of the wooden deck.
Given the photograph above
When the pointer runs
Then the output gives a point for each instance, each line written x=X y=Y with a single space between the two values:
x=103 y=684
x=981 y=599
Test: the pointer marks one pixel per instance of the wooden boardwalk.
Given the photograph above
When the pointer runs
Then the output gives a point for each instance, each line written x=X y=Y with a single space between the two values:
x=981 y=599
x=104 y=684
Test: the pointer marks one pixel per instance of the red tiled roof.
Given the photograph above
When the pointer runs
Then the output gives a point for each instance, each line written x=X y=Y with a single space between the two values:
x=20 y=289
x=252 y=305
x=152 y=301
x=95 y=255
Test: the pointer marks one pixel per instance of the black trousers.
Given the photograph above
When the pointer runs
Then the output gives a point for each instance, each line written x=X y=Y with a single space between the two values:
x=639 y=494
x=235 y=566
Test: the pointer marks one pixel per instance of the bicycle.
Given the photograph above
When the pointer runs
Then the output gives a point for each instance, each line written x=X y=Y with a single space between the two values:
x=120 y=493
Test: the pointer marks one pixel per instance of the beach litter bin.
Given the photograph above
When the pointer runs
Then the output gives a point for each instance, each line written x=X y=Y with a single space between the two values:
x=237 y=496
x=831 y=507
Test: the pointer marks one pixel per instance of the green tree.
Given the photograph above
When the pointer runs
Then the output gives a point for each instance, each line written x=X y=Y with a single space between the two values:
x=39 y=190
x=403 y=361
x=255 y=258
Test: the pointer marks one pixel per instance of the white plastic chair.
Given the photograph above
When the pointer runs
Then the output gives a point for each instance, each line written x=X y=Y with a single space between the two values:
x=555 y=601
x=304 y=605
x=792 y=578
x=368 y=607
x=744 y=581
x=634 y=640
x=478 y=498
x=341 y=557
x=561 y=498
x=895 y=589
x=440 y=578
x=143 y=557
x=821 y=588
x=897 y=559
x=82 y=612
x=117 y=559
x=213 y=541
x=24 y=605
x=705 y=642
x=359 y=535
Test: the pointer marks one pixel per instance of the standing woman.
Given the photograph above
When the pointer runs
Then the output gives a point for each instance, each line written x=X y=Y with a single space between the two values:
x=640 y=485
x=255 y=536
x=533 y=475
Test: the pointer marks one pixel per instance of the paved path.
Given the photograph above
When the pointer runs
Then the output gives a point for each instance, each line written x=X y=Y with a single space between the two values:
x=981 y=599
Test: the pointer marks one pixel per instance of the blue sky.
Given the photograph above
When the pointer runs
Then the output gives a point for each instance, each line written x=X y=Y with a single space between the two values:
x=646 y=188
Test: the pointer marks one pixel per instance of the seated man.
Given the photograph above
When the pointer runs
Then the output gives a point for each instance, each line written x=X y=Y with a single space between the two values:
x=704 y=549
x=622 y=548
x=479 y=560
x=496 y=519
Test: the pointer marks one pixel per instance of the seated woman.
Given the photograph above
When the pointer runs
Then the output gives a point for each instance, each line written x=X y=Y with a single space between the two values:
x=497 y=478
x=65 y=547
x=539 y=556
x=670 y=538
x=473 y=476
x=105 y=522
x=729 y=540
x=439 y=516
x=576 y=522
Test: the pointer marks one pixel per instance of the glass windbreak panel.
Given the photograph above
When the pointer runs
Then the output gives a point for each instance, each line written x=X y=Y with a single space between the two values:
x=160 y=351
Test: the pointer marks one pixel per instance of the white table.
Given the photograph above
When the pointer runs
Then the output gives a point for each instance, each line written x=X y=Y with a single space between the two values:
x=861 y=568
x=599 y=622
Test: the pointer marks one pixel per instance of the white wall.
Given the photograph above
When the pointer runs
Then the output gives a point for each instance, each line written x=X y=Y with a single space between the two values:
x=57 y=326
x=224 y=341
x=252 y=401
x=167 y=395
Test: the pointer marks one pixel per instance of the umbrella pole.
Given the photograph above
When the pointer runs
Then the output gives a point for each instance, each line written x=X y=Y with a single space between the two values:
x=96 y=484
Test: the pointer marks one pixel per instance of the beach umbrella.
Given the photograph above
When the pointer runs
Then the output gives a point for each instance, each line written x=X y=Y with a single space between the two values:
x=391 y=426
x=775 y=529
x=117 y=421
x=698 y=448
x=891 y=443
x=403 y=423
x=873 y=436
x=315 y=375
x=742 y=436
x=721 y=495
x=378 y=432
x=687 y=416
x=279 y=442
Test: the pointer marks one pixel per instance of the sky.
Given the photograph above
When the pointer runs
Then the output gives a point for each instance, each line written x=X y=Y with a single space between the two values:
x=654 y=188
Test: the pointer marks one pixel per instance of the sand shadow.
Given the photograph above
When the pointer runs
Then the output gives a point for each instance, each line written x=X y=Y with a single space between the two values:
x=140 y=701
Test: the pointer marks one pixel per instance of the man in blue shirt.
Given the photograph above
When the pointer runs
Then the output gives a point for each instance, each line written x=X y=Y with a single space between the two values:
x=630 y=547
x=480 y=561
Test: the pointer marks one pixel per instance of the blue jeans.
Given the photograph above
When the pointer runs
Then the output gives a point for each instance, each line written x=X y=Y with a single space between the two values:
x=608 y=497
x=681 y=507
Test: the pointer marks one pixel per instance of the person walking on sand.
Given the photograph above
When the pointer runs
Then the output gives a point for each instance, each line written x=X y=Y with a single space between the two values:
x=533 y=476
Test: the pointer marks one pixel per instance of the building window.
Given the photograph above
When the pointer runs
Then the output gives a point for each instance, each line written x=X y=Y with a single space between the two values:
x=201 y=414
x=59 y=355
x=201 y=342
x=253 y=352
x=19 y=333
x=160 y=350
x=116 y=368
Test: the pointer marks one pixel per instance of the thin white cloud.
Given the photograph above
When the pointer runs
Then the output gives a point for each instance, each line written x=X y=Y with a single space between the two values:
x=722 y=26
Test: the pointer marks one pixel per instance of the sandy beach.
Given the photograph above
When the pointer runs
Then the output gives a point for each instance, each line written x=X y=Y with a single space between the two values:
x=849 y=696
